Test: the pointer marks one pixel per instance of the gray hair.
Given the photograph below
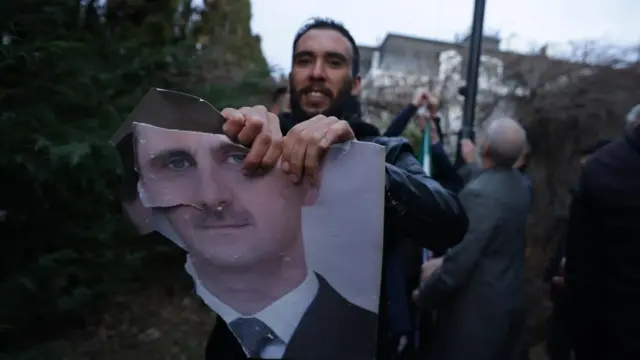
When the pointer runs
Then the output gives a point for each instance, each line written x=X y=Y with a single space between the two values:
x=506 y=141
x=633 y=117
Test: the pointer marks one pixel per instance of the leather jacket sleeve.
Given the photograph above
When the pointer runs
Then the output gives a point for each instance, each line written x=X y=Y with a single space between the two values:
x=416 y=206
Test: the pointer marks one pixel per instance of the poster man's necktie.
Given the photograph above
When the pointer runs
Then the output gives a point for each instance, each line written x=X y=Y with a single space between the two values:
x=254 y=335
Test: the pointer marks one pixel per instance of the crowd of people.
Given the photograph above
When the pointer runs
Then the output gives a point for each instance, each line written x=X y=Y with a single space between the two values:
x=468 y=300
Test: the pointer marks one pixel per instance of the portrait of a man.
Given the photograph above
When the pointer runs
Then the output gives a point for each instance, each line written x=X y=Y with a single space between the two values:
x=243 y=232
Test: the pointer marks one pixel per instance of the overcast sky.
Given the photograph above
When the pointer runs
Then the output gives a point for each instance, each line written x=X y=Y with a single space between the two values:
x=521 y=23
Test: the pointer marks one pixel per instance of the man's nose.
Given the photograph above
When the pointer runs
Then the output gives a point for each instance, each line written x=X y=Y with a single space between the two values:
x=213 y=190
x=318 y=71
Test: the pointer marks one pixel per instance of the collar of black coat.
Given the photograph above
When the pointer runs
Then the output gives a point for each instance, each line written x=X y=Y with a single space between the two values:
x=361 y=129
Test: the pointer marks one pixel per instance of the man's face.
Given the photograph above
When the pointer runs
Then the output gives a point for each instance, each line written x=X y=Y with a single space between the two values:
x=189 y=176
x=321 y=81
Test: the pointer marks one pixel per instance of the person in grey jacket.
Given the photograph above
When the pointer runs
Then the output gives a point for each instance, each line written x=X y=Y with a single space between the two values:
x=477 y=286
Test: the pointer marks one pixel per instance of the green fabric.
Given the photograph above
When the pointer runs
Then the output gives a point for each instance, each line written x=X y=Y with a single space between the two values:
x=424 y=147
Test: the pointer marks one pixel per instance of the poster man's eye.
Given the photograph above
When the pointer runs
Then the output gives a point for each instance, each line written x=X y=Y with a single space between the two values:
x=236 y=159
x=178 y=163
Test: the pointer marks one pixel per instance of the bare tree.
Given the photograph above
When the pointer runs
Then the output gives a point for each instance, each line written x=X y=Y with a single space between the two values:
x=565 y=106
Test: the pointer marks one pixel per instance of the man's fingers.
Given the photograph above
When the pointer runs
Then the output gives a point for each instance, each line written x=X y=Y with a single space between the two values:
x=273 y=154
x=275 y=149
x=339 y=132
x=273 y=123
x=297 y=157
x=313 y=154
x=234 y=122
x=313 y=135
x=259 y=149
x=253 y=125
x=289 y=144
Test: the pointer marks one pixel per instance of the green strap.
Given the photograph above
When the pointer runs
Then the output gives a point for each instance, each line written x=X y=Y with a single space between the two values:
x=424 y=155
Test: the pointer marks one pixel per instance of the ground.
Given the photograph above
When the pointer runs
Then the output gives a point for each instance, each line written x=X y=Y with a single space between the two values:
x=164 y=322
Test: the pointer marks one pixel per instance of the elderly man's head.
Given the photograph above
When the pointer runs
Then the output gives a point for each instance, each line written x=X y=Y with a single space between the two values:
x=504 y=143
x=633 y=117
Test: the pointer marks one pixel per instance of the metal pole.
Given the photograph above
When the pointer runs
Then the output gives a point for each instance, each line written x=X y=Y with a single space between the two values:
x=473 y=64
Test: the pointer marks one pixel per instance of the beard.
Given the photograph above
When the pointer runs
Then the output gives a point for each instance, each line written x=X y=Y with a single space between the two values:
x=340 y=105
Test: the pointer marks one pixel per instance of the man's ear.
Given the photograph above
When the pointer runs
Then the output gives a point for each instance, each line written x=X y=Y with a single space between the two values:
x=355 y=87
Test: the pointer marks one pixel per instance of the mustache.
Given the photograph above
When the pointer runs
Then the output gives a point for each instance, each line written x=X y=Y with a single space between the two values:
x=208 y=217
x=314 y=88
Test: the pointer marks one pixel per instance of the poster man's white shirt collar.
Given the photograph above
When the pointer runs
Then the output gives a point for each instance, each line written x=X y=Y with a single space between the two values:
x=283 y=316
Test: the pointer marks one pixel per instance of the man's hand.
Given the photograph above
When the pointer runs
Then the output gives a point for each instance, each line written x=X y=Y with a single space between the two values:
x=468 y=149
x=428 y=268
x=307 y=142
x=423 y=98
x=259 y=129
x=431 y=266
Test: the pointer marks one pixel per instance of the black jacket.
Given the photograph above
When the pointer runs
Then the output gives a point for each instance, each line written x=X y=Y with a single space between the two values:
x=602 y=271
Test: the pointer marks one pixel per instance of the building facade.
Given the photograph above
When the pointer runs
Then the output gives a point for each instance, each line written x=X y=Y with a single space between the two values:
x=394 y=70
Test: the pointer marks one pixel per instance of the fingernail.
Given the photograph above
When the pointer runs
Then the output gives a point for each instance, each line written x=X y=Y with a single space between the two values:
x=285 y=166
x=324 y=143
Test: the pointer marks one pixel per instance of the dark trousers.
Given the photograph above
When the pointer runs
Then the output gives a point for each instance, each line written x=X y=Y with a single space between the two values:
x=558 y=338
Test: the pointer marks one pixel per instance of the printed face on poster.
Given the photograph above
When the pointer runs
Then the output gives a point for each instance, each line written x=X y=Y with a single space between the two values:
x=293 y=269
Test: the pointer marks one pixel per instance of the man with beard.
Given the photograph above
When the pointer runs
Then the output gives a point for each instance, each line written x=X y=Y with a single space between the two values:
x=324 y=84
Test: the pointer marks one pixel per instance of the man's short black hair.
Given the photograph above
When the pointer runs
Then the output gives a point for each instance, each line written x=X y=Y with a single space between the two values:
x=327 y=23
x=280 y=91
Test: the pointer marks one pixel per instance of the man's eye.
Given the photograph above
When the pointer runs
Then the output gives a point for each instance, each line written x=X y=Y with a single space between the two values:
x=236 y=159
x=178 y=163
